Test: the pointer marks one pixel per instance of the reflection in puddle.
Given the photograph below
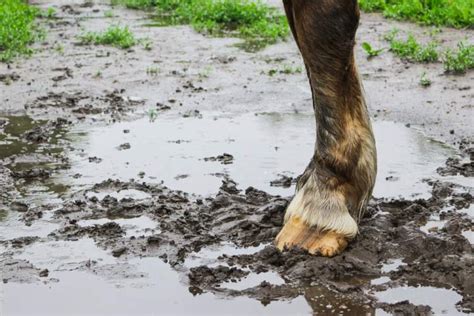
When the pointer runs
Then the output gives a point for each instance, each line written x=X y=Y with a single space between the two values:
x=163 y=294
x=442 y=301
x=433 y=225
x=469 y=235
x=254 y=279
x=122 y=194
x=392 y=265
x=326 y=302
x=469 y=211
x=27 y=144
x=263 y=146
x=11 y=142
x=209 y=255
x=380 y=280
x=12 y=227
x=64 y=255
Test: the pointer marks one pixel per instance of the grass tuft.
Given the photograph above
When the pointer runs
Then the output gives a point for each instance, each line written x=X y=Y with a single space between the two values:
x=114 y=35
x=17 y=29
x=460 y=60
x=411 y=50
x=424 y=80
x=247 y=19
x=371 y=52
x=455 y=13
x=256 y=22
x=135 y=4
x=285 y=70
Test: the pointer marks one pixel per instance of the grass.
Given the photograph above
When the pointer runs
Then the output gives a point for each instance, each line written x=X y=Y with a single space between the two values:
x=457 y=61
x=247 y=19
x=411 y=49
x=98 y=74
x=152 y=115
x=454 y=13
x=109 y=14
x=49 y=13
x=460 y=60
x=371 y=52
x=17 y=29
x=205 y=73
x=152 y=71
x=285 y=70
x=424 y=80
x=256 y=22
x=59 y=48
x=114 y=35
x=135 y=4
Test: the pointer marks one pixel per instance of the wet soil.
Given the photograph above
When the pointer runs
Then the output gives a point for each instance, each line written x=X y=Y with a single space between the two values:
x=167 y=190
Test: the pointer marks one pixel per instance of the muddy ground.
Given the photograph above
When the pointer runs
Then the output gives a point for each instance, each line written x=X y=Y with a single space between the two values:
x=76 y=217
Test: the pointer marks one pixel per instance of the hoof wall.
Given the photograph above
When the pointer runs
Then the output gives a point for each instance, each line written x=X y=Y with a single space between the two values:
x=297 y=233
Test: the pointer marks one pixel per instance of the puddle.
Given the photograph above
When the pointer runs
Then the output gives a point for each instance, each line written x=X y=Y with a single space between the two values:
x=254 y=279
x=10 y=141
x=380 y=280
x=263 y=146
x=122 y=194
x=326 y=302
x=392 y=265
x=162 y=292
x=173 y=149
x=133 y=227
x=209 y=255
x=64 y=255
x=12 y=227
x=469 y=235
x=469 y=211
x=434 y=224
x=27 y=144
x=442 y=301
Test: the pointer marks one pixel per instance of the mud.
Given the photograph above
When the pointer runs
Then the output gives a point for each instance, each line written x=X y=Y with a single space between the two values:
x=187 y=224
x=168 y=190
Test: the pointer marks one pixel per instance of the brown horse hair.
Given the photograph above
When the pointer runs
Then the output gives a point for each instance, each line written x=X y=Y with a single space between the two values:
x=333 y=191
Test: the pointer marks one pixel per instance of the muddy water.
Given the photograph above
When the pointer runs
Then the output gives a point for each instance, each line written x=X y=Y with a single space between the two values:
x=174 y=149
x=154 y=287
x=84 y=275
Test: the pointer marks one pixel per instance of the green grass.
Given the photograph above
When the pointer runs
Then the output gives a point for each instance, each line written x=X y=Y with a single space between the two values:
x=256 y=22
x=285 y=70
x=455 y=13
x=247 y=19
x=371 y=52
x=460 y=60
x=411 y=49
x=135 y=4
x=109 y=14
x=456 y=61
x=114 y=35
x=424 y=80
x=17 y=29
x=152 y=71
x=49 y=13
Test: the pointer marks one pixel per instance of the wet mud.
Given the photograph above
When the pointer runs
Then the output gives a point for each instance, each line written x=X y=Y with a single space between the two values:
x=185 y=225
x=169 y=190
